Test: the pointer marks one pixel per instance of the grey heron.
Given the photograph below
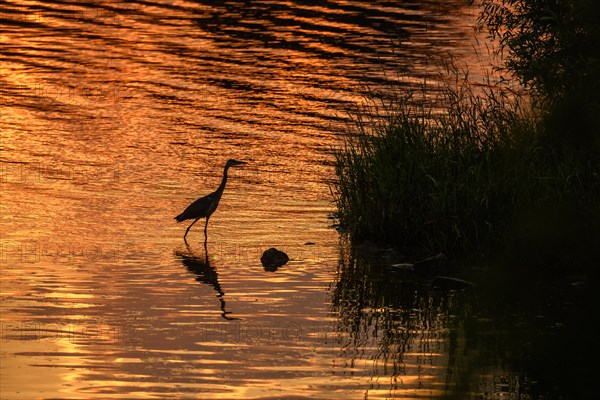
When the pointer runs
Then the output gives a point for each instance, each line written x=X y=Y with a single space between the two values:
x=205 y=206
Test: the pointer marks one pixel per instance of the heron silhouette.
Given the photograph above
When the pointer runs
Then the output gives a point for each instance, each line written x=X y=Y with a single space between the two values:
x=205 y=206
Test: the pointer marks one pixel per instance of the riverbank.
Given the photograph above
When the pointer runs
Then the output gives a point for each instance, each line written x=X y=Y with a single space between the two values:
x=482 y=176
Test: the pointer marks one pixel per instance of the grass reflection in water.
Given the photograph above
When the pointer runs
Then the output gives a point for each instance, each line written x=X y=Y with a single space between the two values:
x=498 y=339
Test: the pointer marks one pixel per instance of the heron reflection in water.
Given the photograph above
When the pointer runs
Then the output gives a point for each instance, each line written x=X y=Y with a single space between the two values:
x=205 y=206
x=205 y=273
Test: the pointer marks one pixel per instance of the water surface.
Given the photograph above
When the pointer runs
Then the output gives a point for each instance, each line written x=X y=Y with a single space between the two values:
x=116 y=115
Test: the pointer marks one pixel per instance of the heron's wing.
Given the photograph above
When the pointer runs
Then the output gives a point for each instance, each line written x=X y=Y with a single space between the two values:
x=198 y=209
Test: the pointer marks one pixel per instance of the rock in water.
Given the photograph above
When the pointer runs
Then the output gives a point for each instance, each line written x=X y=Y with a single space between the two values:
x=273 y=258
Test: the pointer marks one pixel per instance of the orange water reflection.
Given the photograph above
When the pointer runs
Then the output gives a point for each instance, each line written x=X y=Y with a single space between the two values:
x=114 y=117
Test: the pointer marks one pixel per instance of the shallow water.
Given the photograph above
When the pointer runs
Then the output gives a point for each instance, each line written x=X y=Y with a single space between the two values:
x=116 y=115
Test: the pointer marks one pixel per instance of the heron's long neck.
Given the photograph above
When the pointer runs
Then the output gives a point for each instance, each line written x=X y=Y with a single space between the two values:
x=223 y=182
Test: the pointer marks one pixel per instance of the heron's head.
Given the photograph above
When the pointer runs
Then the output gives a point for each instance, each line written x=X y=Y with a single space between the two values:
x=233 y=163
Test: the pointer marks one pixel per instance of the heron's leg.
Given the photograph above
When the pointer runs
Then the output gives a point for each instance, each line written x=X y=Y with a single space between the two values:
x=188 y=229
x=205 y=234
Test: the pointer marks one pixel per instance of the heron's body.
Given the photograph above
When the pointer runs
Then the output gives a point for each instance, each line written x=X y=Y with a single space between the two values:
x=205 y=206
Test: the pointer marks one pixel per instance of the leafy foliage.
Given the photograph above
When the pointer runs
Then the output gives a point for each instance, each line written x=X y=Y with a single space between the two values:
x=553 y=45
x=487 y=167
x=453 y=181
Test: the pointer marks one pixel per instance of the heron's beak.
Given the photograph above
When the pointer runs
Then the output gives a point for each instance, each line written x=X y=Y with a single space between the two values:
x=239 y=162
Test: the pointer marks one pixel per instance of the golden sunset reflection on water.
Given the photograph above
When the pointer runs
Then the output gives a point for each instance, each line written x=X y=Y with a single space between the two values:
x=115 y=116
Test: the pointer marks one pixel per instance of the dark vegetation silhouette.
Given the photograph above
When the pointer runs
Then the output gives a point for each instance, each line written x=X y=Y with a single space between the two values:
x=496 y=172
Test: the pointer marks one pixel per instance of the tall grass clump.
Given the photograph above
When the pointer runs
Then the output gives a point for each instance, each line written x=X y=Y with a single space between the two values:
x=452 y=178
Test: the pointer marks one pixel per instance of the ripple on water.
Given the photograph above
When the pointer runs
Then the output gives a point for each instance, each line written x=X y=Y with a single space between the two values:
x=118 y=115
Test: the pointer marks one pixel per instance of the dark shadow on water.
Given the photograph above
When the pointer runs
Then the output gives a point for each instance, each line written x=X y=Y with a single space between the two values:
x=394 y=320
x=200 y=266
x=497 y=340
